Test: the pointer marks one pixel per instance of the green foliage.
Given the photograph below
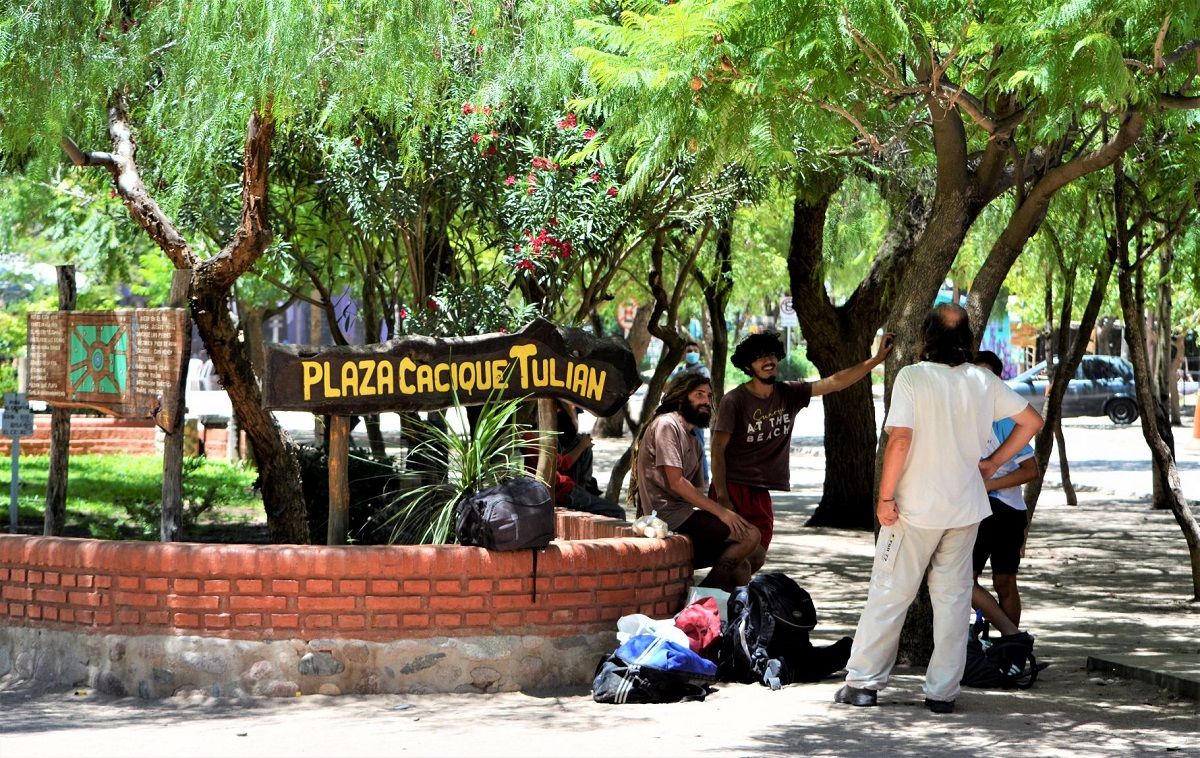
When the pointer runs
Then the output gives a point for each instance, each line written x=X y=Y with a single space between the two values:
x=462 y=310
x=492 y=451
x=117 y=496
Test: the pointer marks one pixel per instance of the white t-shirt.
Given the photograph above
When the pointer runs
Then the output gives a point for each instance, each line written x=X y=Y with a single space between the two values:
x=950 y=410
x=1010 y=496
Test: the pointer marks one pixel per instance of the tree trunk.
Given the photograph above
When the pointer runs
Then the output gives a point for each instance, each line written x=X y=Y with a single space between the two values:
x=639 y=341
x=716 y=292
x=212 y=283
x=60 y=431
x=1162 y=456
x=665 y=304
x=170 y=527
x=1063 y=465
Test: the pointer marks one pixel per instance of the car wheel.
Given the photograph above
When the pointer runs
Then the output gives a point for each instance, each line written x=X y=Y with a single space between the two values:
x=1122 y=411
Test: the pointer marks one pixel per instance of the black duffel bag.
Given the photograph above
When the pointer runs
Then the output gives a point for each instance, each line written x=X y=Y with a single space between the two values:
x=515 y=514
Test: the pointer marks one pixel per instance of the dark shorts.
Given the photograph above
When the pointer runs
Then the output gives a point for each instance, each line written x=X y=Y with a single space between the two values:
x=754 y=505
x=709 y=537
x=1001 y=536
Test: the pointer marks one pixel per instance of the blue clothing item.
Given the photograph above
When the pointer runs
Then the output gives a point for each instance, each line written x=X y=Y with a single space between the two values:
x=692 y=358
x=656 y=652
x=1001 y=430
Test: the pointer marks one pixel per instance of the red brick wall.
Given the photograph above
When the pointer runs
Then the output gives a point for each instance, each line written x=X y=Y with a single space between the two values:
x=89 y=434
x=371 y=593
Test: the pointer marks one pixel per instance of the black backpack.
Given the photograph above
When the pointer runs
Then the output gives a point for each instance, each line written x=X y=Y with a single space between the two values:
x=515 y=514
x=1005 y=663
x=766 y=639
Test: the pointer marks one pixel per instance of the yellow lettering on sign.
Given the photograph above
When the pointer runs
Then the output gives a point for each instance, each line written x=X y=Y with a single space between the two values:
x=424 y=378
x=523 y=353
x=579 y=380
x=441 y=384
x=383 y=382
x=366 y=373
x=498 y=367
x=349 y=379
x=539 y=377
x=329 y=390
x=555 y=381
x=483 y=376
x=595 y=388
x=312 y=375
x=408 y=365
x=466 y=377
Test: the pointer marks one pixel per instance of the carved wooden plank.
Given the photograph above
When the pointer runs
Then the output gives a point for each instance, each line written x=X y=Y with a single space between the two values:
x=126 y=363
x=425 y=373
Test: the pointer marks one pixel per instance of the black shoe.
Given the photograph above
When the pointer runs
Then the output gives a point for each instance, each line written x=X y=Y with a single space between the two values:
x=940 y=706
x=848 y=695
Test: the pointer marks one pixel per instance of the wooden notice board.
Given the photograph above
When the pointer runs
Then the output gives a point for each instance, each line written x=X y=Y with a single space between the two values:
x=127 y=363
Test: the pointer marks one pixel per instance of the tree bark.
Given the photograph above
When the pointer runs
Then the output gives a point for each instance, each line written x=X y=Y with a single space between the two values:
x=665 y=304
x=716 y=292
x=1132 y=309
x=213 y=279
x=60 y=431
x=639 y=341
x=170 y=528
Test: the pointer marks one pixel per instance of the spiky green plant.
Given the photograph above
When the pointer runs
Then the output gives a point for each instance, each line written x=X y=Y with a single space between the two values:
x=490 y=452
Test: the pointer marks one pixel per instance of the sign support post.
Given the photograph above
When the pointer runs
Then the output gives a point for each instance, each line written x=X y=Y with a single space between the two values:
x=170 y=527
x=18 y=423
x=788 y=319
x=339 y=480
x=60 y=431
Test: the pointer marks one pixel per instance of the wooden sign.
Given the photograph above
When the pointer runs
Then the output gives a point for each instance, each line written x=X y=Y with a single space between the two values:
x=126 y=363
x=426 y=373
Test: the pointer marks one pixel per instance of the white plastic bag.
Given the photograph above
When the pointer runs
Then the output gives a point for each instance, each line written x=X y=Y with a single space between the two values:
x=651 y=526
x=639 y=623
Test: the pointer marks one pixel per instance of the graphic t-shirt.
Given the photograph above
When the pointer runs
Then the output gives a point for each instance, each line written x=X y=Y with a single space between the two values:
x=667 y=442
x=760 y=433
x=950 y=411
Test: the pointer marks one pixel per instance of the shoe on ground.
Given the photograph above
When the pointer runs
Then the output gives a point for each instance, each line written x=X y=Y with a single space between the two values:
x=939 y=706
x=862 y=698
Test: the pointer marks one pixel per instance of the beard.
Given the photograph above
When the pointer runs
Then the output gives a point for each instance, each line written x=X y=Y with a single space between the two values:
x=694 y=415
x=770 y=379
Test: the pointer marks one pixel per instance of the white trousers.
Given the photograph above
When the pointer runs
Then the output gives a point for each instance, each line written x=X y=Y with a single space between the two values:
x=903 y=554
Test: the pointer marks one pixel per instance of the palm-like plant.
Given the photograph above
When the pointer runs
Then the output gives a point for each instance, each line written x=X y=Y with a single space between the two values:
x=490 y=452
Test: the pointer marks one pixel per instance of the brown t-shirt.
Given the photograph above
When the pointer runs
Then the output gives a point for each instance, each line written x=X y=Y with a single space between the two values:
x=667 y=442
x=760 y=434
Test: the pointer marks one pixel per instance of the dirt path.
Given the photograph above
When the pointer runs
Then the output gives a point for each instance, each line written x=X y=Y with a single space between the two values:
x=1109 y=575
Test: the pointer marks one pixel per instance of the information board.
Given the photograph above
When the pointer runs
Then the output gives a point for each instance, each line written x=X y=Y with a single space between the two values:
x=127 y=363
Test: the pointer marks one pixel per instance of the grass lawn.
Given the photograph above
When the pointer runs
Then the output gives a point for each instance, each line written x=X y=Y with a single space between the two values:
x=119 y=497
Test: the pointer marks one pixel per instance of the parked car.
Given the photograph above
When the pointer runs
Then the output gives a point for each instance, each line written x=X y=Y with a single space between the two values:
x=1103 y=386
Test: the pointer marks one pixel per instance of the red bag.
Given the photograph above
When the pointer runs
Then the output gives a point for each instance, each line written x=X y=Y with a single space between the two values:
x=701 y=622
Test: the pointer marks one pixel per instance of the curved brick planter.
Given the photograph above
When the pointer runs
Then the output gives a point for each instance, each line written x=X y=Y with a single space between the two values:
x=157 y=618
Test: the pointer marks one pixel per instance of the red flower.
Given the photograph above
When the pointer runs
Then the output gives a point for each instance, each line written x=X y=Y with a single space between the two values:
x=475 y=138
x=531 y=178
x=594 y=177
x=525 y=265
x=569 y=122
x=589 y=133
x=565 y=248
x=479 y=49
x=510 y=180
x=490 y=151
x=532 y=189
x=403 y=313
x=432 y=304
x=487 y=110
x=502 y=330
x=468 y=109
x=112 y=193
x=516 y=248
x=540 y=163
x=553 y=221
x=612 y=191
x=495 y=134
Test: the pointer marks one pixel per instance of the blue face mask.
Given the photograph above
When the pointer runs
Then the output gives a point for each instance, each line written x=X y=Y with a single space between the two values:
x=692 y=358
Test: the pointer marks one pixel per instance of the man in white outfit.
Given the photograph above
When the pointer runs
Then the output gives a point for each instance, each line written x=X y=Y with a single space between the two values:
x=931 y=500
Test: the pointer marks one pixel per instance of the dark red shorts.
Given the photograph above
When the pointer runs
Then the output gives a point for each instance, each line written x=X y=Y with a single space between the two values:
x=754 y=505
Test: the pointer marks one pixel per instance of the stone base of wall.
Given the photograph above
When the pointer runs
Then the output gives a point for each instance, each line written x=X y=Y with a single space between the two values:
x=157 y=666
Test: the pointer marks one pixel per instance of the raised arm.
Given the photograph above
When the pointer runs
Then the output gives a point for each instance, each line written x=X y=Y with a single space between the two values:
x=847 y=376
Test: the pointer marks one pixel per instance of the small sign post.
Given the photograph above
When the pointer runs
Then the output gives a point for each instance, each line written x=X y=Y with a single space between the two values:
x=788 y=318
x=18 y=423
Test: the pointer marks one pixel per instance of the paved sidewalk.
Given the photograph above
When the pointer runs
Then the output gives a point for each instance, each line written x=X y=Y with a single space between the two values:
x=1109 y=576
